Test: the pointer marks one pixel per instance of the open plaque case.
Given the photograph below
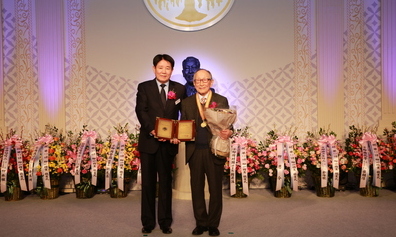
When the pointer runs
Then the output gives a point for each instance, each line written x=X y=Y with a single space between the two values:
x=184 y=130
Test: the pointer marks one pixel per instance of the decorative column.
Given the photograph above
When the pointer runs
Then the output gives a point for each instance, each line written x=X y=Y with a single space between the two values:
x=76 y=65
x=25 y=112
x=388 y=20
x=354 y=93
x=330 y=31
x=305 y=93
x=51 y=54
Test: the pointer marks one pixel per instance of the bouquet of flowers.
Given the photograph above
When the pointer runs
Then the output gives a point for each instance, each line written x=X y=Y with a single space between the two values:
x=218 y=120
x=254 y=157
x=389 y=162
x=123 y=160
x=15 y=156
x=324 y=157
x=283 y=160
x=85 y=158
x=244 y=163
x=48 y=158
x=56 y=143
x=366 y=154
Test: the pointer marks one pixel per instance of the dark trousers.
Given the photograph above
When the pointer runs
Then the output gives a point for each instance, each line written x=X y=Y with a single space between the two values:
x=202 y=163
x=153 y=166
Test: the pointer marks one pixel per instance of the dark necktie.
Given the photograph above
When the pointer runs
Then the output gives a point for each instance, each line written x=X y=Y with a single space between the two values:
x=163 y=96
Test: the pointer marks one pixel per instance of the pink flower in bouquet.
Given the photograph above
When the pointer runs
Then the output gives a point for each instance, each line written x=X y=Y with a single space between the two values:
x=171 y=95
x=213 y=105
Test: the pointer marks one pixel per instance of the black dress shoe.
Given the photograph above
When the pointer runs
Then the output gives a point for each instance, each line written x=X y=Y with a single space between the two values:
x=213 y=231
x=199 y=230
x=146 y=230
x=166 y=230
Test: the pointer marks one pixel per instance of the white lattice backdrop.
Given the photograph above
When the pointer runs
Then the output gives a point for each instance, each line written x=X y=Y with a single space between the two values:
x=372 y=57
x=263 y=102
x=110 y=101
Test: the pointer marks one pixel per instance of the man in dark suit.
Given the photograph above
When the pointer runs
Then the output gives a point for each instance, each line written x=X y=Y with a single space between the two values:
x=157 y=155
x=200 y=158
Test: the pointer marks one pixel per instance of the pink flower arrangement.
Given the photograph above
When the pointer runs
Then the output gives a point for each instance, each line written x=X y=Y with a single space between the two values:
x=271 y=161
x=254 y=156
x=254 y=161
x=269 y=150
x=56 y=142
x=72 y=153
x=389 y=161
x=355 y=155
x=14 y=142
x=132 y=155
x=310 y=150
x=171 y=95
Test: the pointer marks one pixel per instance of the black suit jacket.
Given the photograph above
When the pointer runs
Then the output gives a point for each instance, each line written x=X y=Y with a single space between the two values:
x=190 y=111
x=149 y=107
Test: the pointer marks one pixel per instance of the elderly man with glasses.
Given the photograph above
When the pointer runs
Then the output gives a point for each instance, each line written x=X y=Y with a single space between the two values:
x=202 y=162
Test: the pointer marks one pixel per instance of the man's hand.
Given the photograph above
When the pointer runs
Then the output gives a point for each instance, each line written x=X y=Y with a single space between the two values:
x=225 y=134
x=174 y=141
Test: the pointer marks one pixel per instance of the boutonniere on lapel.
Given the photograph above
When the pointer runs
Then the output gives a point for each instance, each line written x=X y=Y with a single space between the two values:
x=171 y=95
x=213 y=105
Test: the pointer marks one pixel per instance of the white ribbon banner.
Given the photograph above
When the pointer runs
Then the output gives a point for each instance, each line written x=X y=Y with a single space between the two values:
x=88 y=139
x=40 y=153
x=233 y=156
x=280 y=169
x=284 y=145
x=376 y=164
x=33 y=166
x=325 y=143
x=77 y=166
x=21 y=173
x=245 y=180
x=323 y=165
x=136 y=162
x=120 y=167
x=139 y=175
x=365 y=166
x=16 y=141
x=293 y=166
x=94 y=161
x=45 y=168
x=117 y=140
x=369 y=146
x=4 y=168
x=336 y=165
x=109 y=163
x=240 y=144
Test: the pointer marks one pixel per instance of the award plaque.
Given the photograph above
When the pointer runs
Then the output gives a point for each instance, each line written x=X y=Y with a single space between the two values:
x=164 y=128
x=184 y=130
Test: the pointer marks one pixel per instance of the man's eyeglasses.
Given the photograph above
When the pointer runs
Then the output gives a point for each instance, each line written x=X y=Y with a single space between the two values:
x=206 y=80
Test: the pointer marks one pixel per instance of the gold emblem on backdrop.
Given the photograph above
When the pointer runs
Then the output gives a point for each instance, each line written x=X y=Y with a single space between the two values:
x=188 y=15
